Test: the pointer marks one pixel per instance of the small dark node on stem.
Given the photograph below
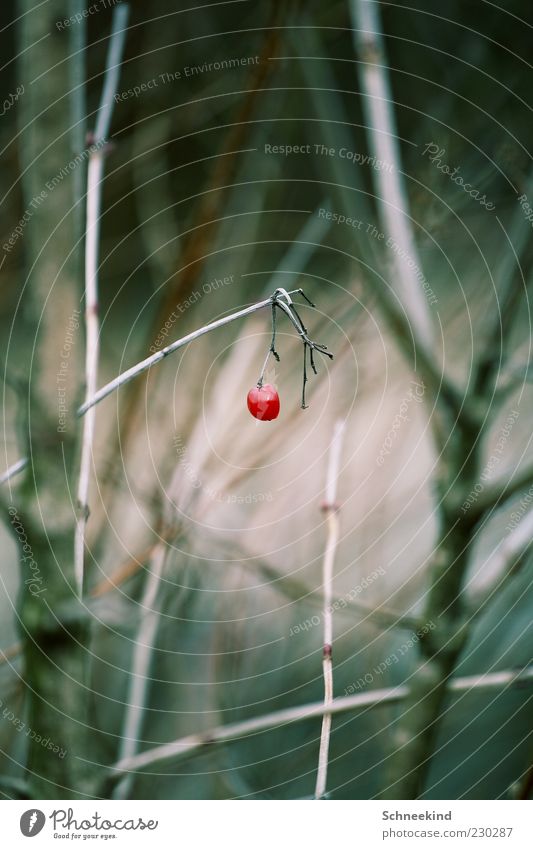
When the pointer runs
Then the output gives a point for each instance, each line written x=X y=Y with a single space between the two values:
x=105 y=146
x=330 y=507
x=521 y=682
x=83 y=510
x=370 y=53
x=327 y=651
x=309 y=301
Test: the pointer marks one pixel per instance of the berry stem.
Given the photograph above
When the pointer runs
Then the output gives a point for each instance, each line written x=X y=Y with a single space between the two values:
x=273 y=342
x=304 y=406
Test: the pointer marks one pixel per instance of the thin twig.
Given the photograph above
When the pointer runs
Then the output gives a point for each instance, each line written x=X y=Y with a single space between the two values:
x=142 y=657
x=185 y=747
x=331 y=508
x=13 y=470
x=92 y=329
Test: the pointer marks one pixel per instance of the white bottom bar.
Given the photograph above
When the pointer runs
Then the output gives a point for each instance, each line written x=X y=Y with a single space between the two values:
x=256 y=824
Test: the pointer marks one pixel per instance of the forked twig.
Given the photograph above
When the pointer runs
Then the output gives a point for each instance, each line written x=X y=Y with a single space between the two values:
x=282 y=299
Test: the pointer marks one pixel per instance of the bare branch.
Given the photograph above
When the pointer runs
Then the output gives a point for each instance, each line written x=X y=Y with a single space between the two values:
x=331 y=508
x=180 y=750
x=92 y=327
x=153 y=359
x=142 y=656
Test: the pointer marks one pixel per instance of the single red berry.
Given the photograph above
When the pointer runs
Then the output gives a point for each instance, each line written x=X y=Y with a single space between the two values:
x=263 y=402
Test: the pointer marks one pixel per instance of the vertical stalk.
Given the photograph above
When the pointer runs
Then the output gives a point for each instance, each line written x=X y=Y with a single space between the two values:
x=331 y=508
x=92 y=240
x=142 y=656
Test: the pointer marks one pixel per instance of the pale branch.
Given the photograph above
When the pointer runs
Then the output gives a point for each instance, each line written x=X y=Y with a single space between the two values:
x=153 y=359
x=332 y=511
x=95 y=174
x=92 y=334
x=13 y=470
x=391 y=195
x=142 y=656
x=186 y=747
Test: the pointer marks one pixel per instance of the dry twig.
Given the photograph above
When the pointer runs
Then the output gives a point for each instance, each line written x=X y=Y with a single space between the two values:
x=331 y=509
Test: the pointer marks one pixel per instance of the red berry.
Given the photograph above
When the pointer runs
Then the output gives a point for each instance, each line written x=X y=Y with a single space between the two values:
x=263 y=402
